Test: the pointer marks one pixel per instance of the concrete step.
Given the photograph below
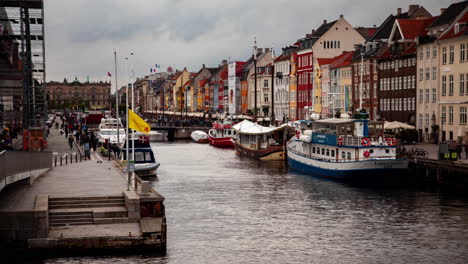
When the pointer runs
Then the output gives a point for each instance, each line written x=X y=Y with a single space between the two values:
x=68 y=217
x=71 y=223
x=55 y=212
x=88 y=220
x=85 y=198
x=86 y=205
x=110 y=212
x=113 y=220
x=86 y=201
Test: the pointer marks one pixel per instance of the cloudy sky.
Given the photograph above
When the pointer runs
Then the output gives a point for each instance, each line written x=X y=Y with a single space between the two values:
x=81 y=35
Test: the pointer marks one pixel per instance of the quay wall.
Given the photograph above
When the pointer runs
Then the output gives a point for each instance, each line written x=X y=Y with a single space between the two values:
x=444 y=173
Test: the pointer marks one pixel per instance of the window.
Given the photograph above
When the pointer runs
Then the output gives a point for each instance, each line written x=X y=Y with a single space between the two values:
x=333 y=151
x=328 y=152
x=462 y=84
x=348 y=155
x=451 y=85
x=421 y=74
x=421 y=53
x=323 y=151
x=434 y=51
x=434 y=95
x=428 y=52
x=450 y=121
x=313 y=149
x=444 y=85
x=427 y=95
x=421 y=95
x=452 y=54
x=444 y=114
x=462 y=115
x=444 y=55
x=420 y=120
x=343 y=155
x=265 y=83
x=265 y=97
x=428 y=73
x=434 y=73
x=462 y=52
x=427 y=120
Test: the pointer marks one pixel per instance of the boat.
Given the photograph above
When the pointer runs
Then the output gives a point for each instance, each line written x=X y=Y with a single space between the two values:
x=220 y=135
x=155 y=136
x=259 y=142
x=344 y=149
x=199 y=136
x=145 y=162
x=108 y=130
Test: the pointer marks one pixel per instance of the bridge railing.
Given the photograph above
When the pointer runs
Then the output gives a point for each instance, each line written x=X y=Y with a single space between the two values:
x=18 y=165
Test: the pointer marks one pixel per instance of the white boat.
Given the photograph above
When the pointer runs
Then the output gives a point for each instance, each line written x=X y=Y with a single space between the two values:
x=344 y=149
x=109 y=128
x=155 y=136
x=199 y=136
x=145 y=161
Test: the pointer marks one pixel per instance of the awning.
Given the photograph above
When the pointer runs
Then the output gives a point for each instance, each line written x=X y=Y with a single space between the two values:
x=247 y=127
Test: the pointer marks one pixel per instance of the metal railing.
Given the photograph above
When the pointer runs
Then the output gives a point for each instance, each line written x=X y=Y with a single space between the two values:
x=17 y=162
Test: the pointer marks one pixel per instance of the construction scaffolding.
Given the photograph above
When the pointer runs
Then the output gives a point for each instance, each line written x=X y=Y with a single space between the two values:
x=23 y=92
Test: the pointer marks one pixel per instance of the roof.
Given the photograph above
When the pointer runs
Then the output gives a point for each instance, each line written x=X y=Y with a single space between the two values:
x=323 y=29
x=384 y=30
x=324 y=61
x=451 y=31
x=334 y=120
x=342 y=60
x=412 y=28
x=449 y=15
x=366 y=33
x=247 y=127
x=283 y=57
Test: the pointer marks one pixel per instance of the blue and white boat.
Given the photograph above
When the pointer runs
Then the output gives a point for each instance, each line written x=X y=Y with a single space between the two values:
x=344 y=149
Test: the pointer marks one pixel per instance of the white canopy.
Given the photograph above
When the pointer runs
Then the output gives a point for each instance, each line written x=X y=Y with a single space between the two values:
x=247 y=127
x=397 y=125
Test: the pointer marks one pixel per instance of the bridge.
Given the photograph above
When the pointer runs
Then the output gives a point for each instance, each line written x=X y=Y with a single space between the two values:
x=178 y=132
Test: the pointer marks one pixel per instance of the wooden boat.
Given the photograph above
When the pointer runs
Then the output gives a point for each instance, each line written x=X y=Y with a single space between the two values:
x=221 y=135
x=259 y=142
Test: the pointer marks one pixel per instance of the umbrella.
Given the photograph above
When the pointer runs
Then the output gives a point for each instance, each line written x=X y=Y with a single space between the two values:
x=397 y=125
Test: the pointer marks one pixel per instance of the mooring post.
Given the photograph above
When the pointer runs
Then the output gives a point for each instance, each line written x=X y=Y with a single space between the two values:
x=55 y=163
x=60 y=160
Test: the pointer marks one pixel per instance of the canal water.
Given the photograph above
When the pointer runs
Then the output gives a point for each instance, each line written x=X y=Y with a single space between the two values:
x=222 y=208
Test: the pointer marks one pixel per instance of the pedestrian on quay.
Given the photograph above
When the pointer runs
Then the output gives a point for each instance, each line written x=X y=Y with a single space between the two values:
x=459 y=150
x=466 y=150
x=70 y=141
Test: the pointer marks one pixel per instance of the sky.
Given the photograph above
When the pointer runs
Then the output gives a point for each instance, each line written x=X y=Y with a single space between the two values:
x=81 y=36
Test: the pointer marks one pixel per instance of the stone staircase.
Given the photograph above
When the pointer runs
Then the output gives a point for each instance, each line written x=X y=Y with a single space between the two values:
x=87 y=210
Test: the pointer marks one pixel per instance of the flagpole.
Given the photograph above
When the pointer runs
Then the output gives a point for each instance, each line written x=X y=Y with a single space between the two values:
x=133 y=110
x=126 y=123
x=116 y=98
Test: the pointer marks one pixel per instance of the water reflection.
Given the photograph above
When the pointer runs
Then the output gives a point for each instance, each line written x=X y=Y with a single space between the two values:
x=222 y=208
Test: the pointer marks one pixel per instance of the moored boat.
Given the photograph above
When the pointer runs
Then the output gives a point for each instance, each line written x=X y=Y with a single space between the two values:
x=344 y=149
x=111 y=130
x=145 y=162
x=220 y=135
x=259 y=142
x=199 y=136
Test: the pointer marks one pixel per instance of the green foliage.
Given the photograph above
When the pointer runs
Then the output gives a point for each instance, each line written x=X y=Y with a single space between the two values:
x=103 y=151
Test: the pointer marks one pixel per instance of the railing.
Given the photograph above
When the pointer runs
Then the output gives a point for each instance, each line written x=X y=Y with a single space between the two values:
x=356 y=141
x=335 y=160
x=19 y=165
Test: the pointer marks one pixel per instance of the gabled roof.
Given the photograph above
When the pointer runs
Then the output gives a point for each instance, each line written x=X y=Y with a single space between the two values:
x=412 y=28
x=384 y=30
x=449 y=15
x=176 y=75
x=342 y=60
x=321 y=61
x=323 y=29
x=283 y=57
x=450 y=33
x=366 y=32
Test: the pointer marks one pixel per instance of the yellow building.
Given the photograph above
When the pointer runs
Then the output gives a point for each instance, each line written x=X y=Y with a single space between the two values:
x=293 y=88
x=178 y=89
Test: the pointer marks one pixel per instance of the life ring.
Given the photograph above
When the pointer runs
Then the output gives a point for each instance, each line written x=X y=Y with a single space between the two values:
x=366 y=154
x=390 y=141
x=298 y=134
x=340 y=140
x=365 y=142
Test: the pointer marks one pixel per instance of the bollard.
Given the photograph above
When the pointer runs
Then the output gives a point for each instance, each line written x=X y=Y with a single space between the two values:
x=76 y=158
x=71 y=158
x=81 y=157
x=55 y=161
x=66 y=159
x=60 y=160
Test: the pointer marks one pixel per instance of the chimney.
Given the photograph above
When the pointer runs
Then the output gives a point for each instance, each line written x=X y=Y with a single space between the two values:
x=324 y=21
x=341 y=16
x=267 y=50
x=259 y=51
x=203 y=65
x=313 y=31
x=307 y=35
x=412 y=9
x=223 y=62
x=398 y=11
x=442 y=10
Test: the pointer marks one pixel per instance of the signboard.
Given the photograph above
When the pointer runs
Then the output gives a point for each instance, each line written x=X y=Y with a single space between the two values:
x=232 y=88
x=124 y=166
x=324 y=139
x=131 y=165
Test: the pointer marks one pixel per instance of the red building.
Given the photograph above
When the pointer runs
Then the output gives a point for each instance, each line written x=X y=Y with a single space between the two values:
x=304 y=78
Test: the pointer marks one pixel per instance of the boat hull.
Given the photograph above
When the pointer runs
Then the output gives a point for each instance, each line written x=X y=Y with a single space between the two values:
x=146 y=168
x=225 y=142
x=368 y=169
x=269 y=154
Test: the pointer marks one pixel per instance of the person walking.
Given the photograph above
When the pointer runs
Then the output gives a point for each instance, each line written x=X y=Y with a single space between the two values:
x=70 y=141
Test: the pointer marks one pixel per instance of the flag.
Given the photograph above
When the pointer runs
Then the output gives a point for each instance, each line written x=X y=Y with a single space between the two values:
x=157 y=65
x=151 y=69
x=109 y=74
x=137 y=123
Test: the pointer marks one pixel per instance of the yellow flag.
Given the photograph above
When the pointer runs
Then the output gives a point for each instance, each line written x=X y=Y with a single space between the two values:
x=135 y=122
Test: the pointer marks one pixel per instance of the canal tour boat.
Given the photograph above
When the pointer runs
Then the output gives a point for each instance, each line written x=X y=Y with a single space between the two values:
x=344 y=149
x=220 y=135
x=108 y=131
x=199 y=136
x=145 y=162
x=259 y=142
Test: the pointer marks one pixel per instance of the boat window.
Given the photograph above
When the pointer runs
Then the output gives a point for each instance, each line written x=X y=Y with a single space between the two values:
x=333 y=153
x=343 y=155
x=318 y=150
x=148 y=156
x=328 y=152
x=139 y=156
x=349 y=155
x=323 y=151
x=313 y=149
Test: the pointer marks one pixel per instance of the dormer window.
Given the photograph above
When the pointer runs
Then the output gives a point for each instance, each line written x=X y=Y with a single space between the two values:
x=457 y=28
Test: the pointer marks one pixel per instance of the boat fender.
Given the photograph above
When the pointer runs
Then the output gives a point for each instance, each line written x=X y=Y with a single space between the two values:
x=390 y=141
x=366 y=154
x=340 y=140
x=365 y=142
x=298 y=134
